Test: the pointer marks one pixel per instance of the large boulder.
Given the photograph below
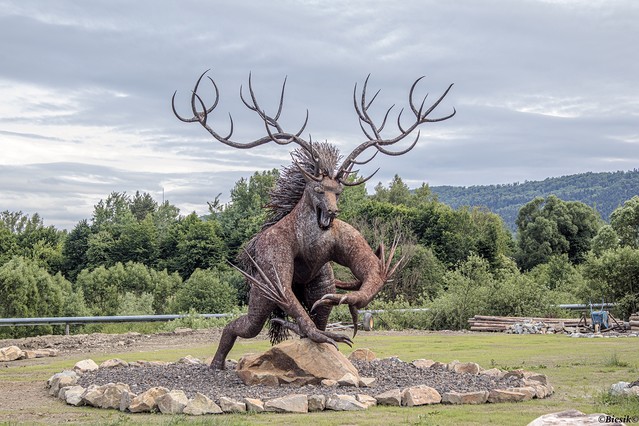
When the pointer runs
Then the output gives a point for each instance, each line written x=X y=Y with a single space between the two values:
x=10 y=353
x=299 y=362
x=573 y=417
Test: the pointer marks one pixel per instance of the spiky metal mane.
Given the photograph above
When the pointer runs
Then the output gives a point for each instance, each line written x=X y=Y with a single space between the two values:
x=289 y=189
x=290 y=185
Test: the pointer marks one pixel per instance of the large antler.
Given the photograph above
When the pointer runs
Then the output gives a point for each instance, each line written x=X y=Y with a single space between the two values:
x=374 y=132
x=274 y=130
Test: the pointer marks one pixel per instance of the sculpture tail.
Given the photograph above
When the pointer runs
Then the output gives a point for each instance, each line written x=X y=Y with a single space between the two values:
x=277 y=333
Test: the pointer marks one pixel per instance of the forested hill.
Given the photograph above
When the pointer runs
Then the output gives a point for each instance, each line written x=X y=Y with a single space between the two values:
x=603 y=191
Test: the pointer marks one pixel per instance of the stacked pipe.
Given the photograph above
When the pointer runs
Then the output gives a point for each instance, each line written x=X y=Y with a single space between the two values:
x=634 y=321
x=498 y=324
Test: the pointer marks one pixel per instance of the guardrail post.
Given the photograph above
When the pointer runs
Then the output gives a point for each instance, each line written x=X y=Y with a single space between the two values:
x=66 y=329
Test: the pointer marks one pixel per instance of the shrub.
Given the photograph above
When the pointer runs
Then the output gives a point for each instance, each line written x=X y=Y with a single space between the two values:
x=206 y=291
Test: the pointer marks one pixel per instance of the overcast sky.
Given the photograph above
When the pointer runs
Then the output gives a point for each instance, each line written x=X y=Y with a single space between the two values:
x=542 y=89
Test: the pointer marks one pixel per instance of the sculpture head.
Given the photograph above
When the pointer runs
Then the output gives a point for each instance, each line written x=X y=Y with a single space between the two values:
x=315 y=173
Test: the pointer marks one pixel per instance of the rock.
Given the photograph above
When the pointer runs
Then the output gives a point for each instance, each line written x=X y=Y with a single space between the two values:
x=423 y=363
x=541 y=378
x=189 y=360
x=391 y=397
x=344 y=403
x=420 y=395
x=328 y=383
x=298 y=362
x=85 y=365
x=254 y=404
x=367 y=382
x=466 y=367
x=172 y=402
x=528 y=392
x=633 y=391
x=146 y=401
x=200 y=405
x=61 y=380
x=73 y=395
x=115 y=362
x=451 y=365
x=438 y=364
x=541 y=391
x=478 y=397
x=362 y=354
x=518 y=374
x=105 y=396
x=617 y=388
x=492 y=372
x=349 y=379
x=126 y=399
x=47 y=352
x=28 y=355
x=571 y=417
x=316 y=402
x=10 y=353
x=367 y=400
x=295 y=403
x=229 y=405
x=501 y=395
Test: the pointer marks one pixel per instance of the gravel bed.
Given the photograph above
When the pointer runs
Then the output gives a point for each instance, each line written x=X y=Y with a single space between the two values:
x=391 y=373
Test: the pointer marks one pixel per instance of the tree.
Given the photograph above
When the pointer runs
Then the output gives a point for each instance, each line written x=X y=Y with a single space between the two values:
x=206 y=291
x=28 y=291
x=625 y=221
x=551 y=226
x=75 y=250
x=614 y=276
x=198 y=245
x=8 y=245
x=142 y=205
x=244 y=216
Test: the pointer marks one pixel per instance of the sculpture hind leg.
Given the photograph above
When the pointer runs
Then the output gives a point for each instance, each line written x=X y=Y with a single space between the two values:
x=323 y=284
x=246 y=326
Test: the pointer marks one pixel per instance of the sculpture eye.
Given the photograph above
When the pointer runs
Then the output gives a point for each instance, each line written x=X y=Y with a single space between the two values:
x=318 y=189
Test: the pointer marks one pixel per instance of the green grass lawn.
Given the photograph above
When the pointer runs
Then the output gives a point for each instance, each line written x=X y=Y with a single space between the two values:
x=581 y=370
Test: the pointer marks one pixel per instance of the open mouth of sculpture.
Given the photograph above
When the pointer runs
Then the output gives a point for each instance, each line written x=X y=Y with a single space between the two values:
x=324 y=220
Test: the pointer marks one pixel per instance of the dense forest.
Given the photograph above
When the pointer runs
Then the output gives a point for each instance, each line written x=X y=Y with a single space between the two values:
x=137 y=256
x=602 y=191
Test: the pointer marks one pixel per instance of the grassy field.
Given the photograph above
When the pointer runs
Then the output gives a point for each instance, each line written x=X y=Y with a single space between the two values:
x=581 y=370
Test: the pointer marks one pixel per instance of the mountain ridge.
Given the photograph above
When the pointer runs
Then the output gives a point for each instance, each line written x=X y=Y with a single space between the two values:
x=604 y=191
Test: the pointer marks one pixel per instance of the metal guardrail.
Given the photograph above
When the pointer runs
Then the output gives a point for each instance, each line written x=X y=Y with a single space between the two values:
x=67 y=321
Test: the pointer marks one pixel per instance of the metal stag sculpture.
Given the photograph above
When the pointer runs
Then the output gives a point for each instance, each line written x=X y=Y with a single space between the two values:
x=288 y=263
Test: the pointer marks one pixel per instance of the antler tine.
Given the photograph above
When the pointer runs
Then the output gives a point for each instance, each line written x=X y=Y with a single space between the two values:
x=385 y=117
x=437 y=102
x=361 y=163
x=410 y=95
x=196 y=116
x=360 y=181
x=396 y=153
x=279 y=108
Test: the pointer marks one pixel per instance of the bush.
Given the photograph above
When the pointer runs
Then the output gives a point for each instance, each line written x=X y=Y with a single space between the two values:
x=206 y=291
x=27 y=290
x=134 y=304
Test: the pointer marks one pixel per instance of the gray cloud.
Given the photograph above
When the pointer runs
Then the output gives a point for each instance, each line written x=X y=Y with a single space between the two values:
x=541 y=88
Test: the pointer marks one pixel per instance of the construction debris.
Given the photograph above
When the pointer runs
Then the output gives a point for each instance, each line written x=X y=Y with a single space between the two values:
x=522 y=325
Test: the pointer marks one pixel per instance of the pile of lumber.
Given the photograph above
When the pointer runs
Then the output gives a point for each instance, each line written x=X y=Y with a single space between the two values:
x=492 y=323
x=634 y=321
